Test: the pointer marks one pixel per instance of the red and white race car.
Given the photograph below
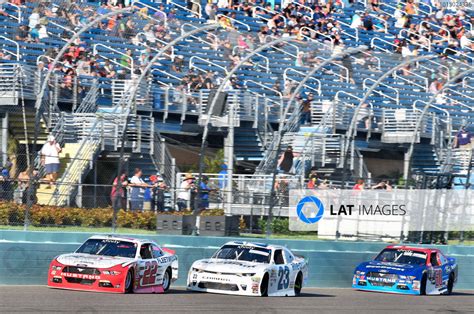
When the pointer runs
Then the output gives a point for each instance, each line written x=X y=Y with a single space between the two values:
x=115 y=264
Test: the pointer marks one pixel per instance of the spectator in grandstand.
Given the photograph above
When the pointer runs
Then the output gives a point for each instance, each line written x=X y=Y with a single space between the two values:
x=158 y=193
x=347 y=63
x=383 y=185
x=436 y=85
x=285 y=163
x=23 y=184
x=463 y=139
x=4 y=56
x=203 y=201
x=34 y=18
x=282 y=186
x=306 y=109
x=184 y=194
x=364 y=115
x=23 y=33
x=137 y=191
x=2 y=10
x=50 y=159
x=6 y=191
x=127 y=59
x=313 y=181
x=368 y=23
x=118 y=196
x=359 y=185
x=178 y=64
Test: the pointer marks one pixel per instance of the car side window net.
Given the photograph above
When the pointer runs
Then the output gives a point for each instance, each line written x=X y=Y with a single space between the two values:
x=278 y=258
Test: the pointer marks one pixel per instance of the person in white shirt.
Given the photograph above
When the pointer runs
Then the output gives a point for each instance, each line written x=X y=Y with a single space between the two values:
x=137 y=192
x=184 y=195
x=50 y=159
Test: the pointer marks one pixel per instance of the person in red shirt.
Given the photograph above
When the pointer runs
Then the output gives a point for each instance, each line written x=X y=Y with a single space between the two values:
x=359 y=185
x=117 y=195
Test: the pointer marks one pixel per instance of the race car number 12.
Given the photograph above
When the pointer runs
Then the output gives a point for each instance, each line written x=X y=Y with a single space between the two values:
x=284 y=274
x=149 y=275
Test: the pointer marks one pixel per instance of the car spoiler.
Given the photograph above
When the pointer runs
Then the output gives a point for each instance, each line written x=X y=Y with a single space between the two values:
x=169 y=251
x=300 y=256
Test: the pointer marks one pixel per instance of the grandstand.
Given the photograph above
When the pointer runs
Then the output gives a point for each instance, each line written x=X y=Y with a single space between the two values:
x=93 y=99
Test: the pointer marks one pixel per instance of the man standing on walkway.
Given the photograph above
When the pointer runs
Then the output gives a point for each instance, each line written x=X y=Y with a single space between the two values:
x=50 y=159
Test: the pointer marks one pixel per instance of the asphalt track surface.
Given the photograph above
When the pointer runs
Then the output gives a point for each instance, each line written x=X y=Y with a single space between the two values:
x=40 y=299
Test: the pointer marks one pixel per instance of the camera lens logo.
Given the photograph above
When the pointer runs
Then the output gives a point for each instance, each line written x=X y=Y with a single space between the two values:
x=314 y=209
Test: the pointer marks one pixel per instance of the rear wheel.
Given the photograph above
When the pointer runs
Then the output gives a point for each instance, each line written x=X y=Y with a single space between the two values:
x=167 y=279
x=298 y=284
x=423 y=284
x=129 y=282
x=264 y=286
x=450 y=284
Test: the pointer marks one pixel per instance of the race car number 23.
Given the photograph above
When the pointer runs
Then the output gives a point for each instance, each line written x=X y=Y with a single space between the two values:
x=284 y=275
x=149 y=275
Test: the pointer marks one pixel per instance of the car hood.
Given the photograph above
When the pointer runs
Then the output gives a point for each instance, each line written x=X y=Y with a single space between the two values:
x=388 y=267
x=93 y=261
x=228 y=266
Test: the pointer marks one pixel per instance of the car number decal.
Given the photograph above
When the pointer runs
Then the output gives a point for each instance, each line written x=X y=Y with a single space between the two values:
x=284 y=281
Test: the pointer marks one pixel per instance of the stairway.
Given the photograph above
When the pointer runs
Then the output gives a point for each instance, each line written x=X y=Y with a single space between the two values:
x=16 y=127
x=45 y=191
x=425 y=159
x=247 y=144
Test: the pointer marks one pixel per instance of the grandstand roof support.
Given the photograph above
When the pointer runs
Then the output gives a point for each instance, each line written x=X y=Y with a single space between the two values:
x=137 y=84
x=214 y=101
x=44 y=84
x=281 y=127
x=352 y=131
x=424 y=111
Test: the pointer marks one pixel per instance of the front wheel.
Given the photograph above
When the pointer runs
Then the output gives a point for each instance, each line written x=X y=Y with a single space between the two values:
x=264 y=286
x=423 y=284
x=167 y=280
x=450 y=284
x=298 y=284
x=129 y=282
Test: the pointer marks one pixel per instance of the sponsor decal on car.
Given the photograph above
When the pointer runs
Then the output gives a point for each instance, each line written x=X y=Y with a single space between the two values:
x=81 y=276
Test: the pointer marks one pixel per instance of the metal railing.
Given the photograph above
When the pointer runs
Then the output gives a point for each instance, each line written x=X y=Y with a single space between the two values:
x=399 y=125
x=396 y=99
x=373 y=45
x=267 y=61
x=415 y=43
x=89 y=102
x=312 y=31
x=130 y=68
x=302 y=74
x=193 y=65
x=17 y=10
x=15 y=54
x=425 y=86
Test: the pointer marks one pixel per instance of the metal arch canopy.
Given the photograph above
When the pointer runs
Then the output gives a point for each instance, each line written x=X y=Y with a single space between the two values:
x=425 y=109
x=350 y=132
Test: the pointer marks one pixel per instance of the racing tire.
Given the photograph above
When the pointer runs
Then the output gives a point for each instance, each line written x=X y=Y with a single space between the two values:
x=424 y=279
x=129 y=282
x=298 y=284
x=166 y=280
x=450 y=284
x=264 y=286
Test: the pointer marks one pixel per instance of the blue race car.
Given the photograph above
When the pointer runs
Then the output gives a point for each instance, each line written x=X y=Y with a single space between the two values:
x=407 y=270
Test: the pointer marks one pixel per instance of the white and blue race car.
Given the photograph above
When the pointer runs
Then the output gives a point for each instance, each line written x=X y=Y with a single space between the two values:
x=250 y=269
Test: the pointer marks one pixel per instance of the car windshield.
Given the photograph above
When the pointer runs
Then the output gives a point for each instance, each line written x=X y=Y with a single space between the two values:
x=108 y=247
x=401 y=256
x=244 y=253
